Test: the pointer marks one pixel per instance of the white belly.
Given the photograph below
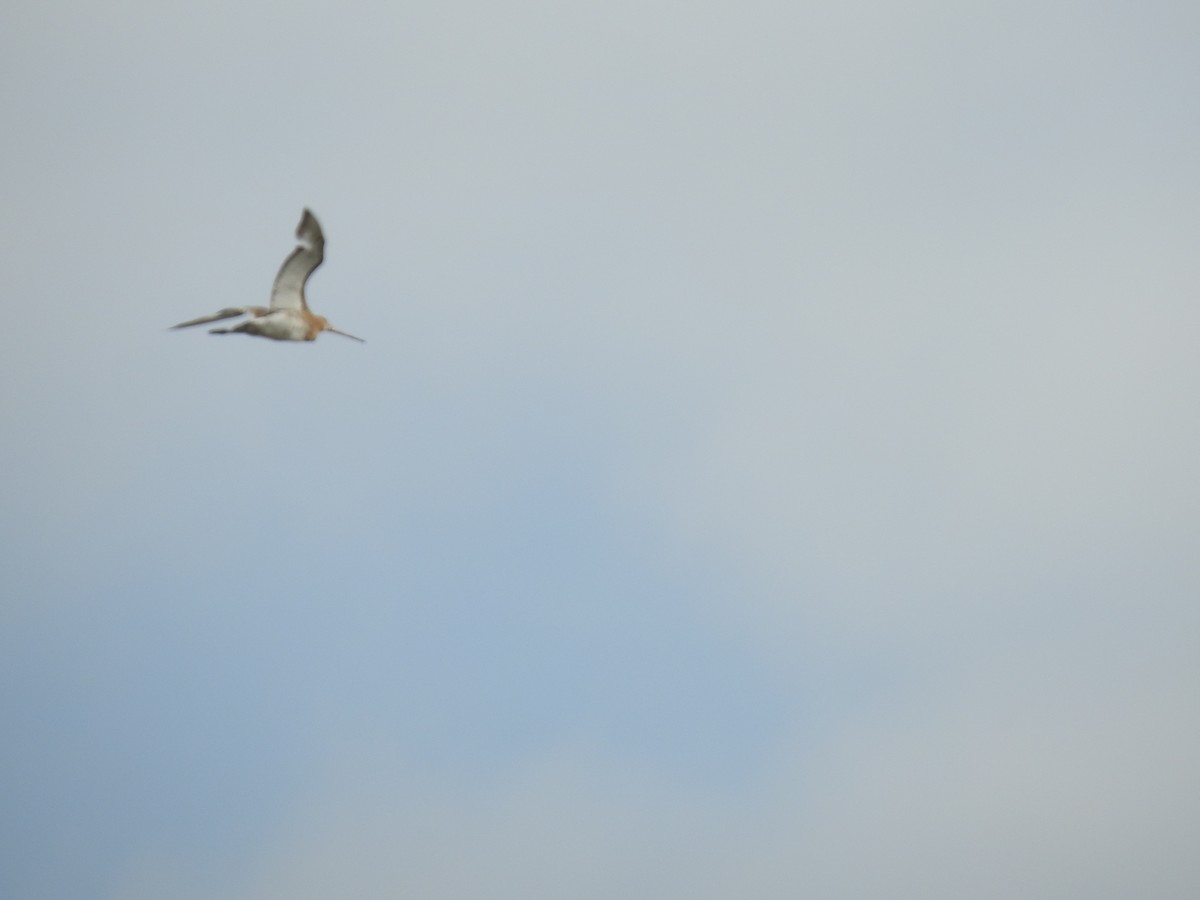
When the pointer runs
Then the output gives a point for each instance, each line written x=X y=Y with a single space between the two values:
x=280 y=325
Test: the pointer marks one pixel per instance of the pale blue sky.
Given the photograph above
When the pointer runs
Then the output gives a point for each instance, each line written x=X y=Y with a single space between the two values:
x=771 y=471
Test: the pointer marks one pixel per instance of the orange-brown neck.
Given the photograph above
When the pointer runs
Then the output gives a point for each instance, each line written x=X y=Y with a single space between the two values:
x=316 y=324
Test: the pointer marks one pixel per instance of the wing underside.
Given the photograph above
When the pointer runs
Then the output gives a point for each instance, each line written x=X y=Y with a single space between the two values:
x=288 y=292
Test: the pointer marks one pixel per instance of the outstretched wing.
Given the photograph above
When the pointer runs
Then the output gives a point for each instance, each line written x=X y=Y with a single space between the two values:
x=227 y=313
x=288 y=292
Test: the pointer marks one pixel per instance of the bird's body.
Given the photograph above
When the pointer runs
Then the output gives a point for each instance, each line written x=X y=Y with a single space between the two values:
x=276 y=324
x=288 y=318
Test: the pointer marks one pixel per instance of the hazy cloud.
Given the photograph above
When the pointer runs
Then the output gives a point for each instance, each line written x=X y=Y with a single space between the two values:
x=770 y=470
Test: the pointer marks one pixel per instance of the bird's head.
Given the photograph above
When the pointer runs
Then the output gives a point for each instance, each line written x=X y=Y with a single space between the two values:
x=324 y=325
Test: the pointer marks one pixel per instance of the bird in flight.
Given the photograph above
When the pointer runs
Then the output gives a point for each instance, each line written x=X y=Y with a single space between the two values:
x=288 y=318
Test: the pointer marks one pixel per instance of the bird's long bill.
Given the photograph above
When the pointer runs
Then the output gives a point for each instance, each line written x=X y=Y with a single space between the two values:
x=343 y=334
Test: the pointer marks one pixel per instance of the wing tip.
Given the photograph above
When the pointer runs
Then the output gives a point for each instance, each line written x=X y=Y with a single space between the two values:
x=309 y=226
